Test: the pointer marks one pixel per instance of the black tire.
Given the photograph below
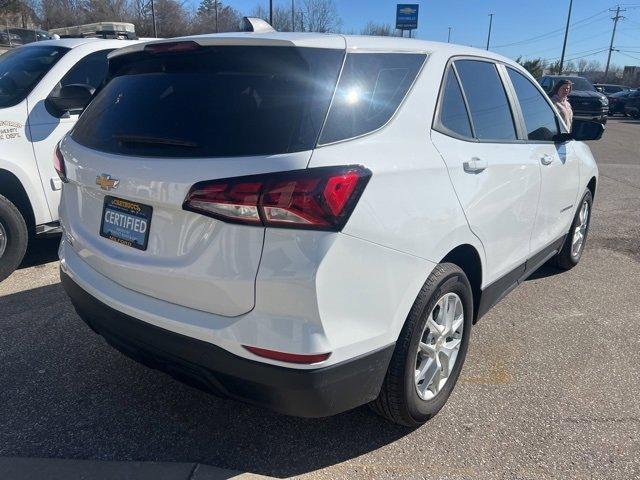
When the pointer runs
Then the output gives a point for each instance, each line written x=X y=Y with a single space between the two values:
x=565 y=260
x=398 y=400
x=17 y=237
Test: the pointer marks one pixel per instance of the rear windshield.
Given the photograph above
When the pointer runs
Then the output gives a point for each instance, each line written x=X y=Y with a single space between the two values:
x=212 y=102
x=21 y=70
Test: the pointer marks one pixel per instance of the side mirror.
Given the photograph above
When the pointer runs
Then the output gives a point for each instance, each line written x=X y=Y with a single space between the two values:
x=581 y=130
x=586 y=130
x=70 y=99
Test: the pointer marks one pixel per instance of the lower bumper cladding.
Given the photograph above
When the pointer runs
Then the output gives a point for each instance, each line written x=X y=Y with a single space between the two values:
x=317 y=392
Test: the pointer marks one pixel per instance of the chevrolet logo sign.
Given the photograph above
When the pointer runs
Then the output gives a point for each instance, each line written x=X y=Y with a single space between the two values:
x=106 y=182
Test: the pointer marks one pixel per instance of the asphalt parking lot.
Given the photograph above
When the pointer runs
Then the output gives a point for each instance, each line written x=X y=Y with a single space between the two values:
x=549 y=389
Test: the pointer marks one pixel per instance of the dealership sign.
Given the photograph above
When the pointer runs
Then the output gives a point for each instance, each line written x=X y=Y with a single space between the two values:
x=407 y=16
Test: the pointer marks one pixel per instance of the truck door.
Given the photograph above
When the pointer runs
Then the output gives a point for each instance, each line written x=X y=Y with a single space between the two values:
x=47 y=126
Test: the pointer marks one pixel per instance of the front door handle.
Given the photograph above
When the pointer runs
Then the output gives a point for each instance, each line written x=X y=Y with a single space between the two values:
x=475 y=165
x=546 y=159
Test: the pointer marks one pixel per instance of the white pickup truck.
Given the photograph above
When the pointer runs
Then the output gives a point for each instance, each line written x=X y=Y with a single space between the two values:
x=41 y=86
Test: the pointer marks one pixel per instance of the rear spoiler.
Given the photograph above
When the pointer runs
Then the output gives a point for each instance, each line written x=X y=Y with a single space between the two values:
x=257 y=32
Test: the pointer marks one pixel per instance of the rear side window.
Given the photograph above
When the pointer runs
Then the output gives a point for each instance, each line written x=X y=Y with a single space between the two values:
x=539 y=118
x=453 y=113
x=21 y=70
x=212 y=102
x=487 y=99
x=370 y=90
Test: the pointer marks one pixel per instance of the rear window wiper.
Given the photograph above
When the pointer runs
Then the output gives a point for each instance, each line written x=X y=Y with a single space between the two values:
x=151 y=140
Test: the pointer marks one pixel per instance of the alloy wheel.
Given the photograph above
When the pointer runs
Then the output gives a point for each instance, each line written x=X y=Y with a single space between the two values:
x=580 y=230
x=439 y=346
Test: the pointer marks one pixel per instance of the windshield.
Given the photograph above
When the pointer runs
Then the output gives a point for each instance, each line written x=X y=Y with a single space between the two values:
x=579 y=83
x=21 y=70
x=212 y=102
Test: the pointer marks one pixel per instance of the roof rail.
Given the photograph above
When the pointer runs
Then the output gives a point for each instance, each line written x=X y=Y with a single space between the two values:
x=256 y=25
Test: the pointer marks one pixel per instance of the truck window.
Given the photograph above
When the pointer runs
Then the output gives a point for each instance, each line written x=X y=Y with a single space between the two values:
x=21 y=70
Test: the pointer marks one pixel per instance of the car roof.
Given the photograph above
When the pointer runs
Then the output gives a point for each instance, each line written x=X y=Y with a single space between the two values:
x=564 y=76
x=76 y=42
x=327 y=40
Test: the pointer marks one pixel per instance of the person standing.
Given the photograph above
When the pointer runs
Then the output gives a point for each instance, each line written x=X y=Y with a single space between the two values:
x=559 y=94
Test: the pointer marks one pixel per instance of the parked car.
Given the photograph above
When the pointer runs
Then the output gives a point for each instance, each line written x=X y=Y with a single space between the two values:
x=608 y=88
x=617 y=101
x=587 y=103
x=632 y=105
x=36 y=83
x=313 y=222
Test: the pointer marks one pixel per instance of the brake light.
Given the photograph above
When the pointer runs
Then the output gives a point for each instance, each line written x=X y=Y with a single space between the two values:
x=58 y=164
x=318 y=198
x=171 y=47
x=288 y=357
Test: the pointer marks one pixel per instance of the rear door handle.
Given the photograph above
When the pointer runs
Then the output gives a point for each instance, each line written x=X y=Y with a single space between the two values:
x=546 y=159
x=475 y=165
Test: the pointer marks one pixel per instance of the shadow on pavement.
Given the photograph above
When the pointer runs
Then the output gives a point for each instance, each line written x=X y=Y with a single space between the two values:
x=544 y=272
x=66 y=394
x=41 y=251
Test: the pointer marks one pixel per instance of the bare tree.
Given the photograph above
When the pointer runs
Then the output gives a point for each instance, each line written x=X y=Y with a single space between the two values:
x=582 y=65
x=321 y=16
x=227 y=18
x=377 y=29
x=281 y=17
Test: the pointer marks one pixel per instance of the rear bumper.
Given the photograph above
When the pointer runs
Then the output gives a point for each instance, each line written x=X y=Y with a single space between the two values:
x=299 y=392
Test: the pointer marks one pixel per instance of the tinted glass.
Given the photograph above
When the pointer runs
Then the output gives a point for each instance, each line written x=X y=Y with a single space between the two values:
x=453 y=113
x=91 y=70
x=488 y=105
x=212 y=102
x=579 y=83
x=371 y=87
x=21 y=70
x=539 y=118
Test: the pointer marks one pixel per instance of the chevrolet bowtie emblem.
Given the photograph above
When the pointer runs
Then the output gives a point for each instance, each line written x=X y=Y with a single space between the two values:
x=106 y=182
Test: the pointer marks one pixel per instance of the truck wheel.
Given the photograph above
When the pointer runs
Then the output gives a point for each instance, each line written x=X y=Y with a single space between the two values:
x=569 y=256
x=430 y=351
x=14 y=237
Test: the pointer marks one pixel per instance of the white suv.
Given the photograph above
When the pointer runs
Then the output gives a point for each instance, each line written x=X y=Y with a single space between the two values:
x=313 y=222
x=43 y=87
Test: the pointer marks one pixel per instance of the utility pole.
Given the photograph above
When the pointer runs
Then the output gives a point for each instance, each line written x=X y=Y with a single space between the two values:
x=613 y=36
x=566 y=34
x=153 y=18
x=271 y=12
x=216 y=7
x=489 y=35
x=293 y=17
x=449 y=36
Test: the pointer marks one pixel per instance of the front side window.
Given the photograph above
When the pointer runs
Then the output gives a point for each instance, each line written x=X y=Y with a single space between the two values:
x=370 y=90
x=489 y=108
x=539 y=118
x=91 y=71
x=453 y=112
x=217 y=101
x=21 y=70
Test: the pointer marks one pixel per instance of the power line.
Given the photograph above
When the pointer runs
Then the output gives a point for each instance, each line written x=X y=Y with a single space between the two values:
x=554 y=32
x=630 y=56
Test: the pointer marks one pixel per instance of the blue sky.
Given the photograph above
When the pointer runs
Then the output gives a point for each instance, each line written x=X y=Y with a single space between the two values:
x=514 y=21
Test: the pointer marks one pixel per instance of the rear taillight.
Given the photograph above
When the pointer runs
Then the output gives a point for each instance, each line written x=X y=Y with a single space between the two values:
x=58 y=164
x=318 y=198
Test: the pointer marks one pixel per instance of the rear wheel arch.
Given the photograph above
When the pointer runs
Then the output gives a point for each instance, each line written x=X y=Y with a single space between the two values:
x=12 y=189
x=468 y=259
x=592 y=186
